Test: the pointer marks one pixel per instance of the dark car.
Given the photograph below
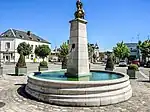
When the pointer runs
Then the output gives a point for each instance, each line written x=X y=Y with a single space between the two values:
x=136 y=62
x=148 y=64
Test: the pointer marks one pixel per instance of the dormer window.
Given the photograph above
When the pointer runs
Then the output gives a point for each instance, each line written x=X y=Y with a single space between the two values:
x=2 y=34
x=30 y=38
x=21 y=36
x=38 y=39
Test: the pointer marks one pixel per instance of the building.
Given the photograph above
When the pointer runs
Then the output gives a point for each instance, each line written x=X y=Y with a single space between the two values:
x=10 y=40
x=54 y=55
x=96 y=50
x=134 y=51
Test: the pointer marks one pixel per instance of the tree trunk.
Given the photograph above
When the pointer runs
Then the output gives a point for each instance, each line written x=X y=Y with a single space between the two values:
x=64 y=63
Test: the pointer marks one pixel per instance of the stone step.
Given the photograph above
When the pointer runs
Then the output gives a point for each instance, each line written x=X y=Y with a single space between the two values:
x=79 y=91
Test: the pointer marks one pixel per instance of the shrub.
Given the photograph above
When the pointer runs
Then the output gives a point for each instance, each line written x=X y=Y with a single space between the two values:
x=23 y=49
x=133 y=67
x=21 y=62
x=42 y=51
x=110 y=63
x=43 y=64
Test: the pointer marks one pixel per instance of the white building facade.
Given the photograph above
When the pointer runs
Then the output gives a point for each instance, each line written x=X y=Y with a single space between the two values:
x=10 y=40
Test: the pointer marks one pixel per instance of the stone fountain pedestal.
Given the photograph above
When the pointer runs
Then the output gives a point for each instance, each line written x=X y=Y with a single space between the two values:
x=78 y=62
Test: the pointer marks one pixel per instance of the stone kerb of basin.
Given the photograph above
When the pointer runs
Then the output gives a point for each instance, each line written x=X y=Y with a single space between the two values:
x=80 y=93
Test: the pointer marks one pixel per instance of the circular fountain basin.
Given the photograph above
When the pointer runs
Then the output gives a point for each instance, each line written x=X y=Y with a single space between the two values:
x=101 y=88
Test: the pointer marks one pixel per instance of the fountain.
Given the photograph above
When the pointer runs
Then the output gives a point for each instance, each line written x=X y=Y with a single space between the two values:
x=79 y=86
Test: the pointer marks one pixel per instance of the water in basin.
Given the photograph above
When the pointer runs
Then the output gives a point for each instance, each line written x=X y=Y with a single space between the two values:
x=95 y=76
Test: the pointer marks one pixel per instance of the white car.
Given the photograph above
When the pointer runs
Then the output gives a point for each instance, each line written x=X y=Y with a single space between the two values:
x=122 y=63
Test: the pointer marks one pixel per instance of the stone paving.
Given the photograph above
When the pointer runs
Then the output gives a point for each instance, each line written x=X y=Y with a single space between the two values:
x=11 y=93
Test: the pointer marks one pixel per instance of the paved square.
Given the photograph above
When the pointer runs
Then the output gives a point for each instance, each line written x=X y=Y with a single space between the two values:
x=16 y=101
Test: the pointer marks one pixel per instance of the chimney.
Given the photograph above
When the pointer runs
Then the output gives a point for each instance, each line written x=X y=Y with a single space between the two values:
x=29 y=33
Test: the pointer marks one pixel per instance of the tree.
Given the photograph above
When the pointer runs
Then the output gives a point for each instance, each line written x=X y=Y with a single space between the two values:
x=121 y=51
x=90 y=51
x=24 y=48
x=64 y=50
x=101 y=55
x=144 y=47
x=42 y=51
x=94 y=57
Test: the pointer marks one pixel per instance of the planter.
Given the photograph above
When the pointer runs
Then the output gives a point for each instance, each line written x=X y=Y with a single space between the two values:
x=43 y=68
x=109 y=69
x=131 y=73
x=20 y=71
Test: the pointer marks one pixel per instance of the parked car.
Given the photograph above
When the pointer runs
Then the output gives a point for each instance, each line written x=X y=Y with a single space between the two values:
x=123 y=63
x=136 y=62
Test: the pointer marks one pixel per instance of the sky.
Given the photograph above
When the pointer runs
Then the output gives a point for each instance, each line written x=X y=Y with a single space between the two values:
x=109 y=21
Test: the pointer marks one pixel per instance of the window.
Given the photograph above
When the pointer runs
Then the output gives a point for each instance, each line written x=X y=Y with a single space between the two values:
x=27 y=56
x=31 y=57
x=21 y=36
x=32 y=46
x=38 y=39
x=11 y=55
x=30 y=38
x=8 y=45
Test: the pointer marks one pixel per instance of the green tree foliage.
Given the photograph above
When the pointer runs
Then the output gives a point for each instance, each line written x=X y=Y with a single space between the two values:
x=64 y=50
x=44 y=64
x=144 y=48
x=24 y=48
x=91 y=55
x=42 y=51
x=90 y=50
x=121 y=51
x=101 y=55
x=21 y=62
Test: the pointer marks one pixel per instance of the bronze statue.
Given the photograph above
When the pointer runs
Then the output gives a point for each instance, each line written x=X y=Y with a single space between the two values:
x=80 y=12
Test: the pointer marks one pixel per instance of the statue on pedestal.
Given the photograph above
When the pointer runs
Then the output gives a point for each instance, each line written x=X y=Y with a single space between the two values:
x=80 y=12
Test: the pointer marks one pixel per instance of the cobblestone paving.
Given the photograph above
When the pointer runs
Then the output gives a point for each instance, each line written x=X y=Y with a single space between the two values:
x=16 y=102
